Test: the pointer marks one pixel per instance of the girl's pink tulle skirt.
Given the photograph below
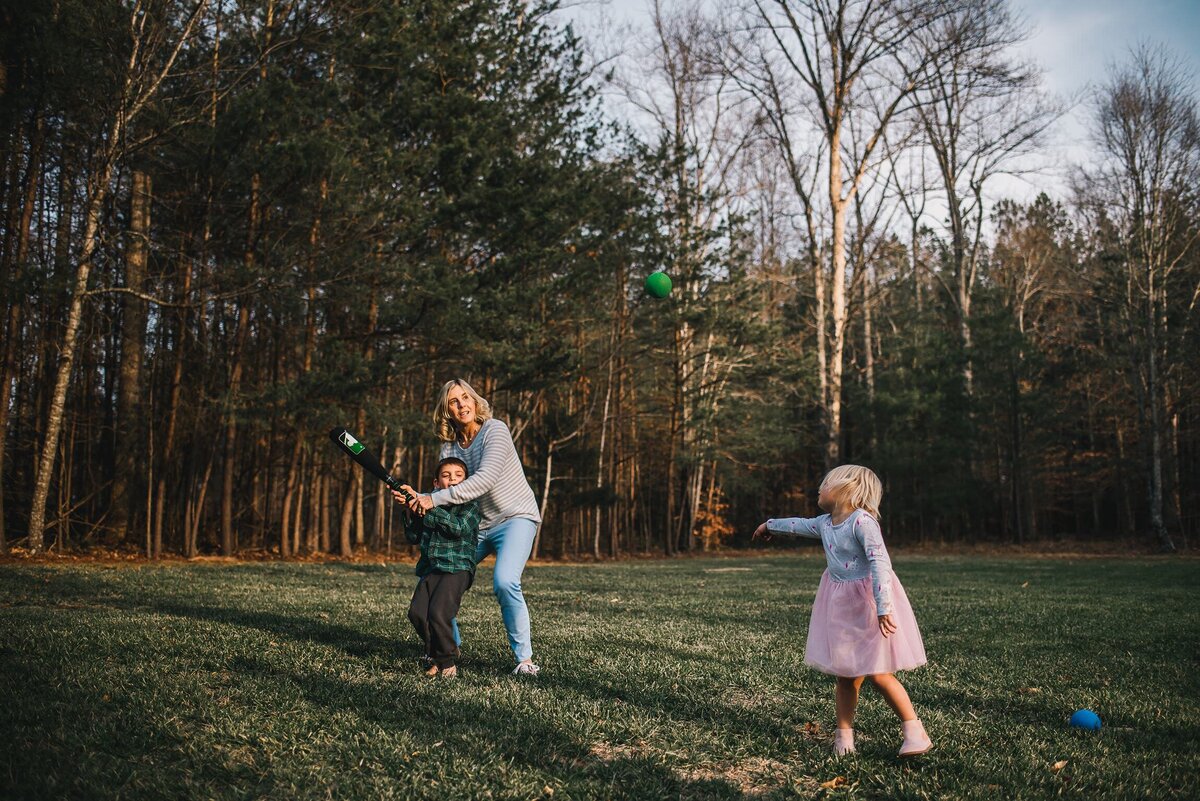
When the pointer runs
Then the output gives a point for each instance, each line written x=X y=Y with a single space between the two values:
x=844 y=638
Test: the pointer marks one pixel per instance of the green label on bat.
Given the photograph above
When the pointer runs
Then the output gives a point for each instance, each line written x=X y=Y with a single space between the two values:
x=350 y=442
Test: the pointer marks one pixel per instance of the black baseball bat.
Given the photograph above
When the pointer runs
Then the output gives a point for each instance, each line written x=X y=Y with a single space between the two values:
x=366 y=459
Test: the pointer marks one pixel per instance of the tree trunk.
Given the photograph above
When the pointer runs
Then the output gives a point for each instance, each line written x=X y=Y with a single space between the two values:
x=228 y=536
x=98 y=191
x=129 y=423
x=185 y=284
x=1154 y=390
x=603 y=435
x=293 y=481
x=344 y=544
x=8 y=356
x=833 y=436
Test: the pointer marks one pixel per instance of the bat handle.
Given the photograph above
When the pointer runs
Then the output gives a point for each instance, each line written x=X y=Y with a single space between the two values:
x=396 y=484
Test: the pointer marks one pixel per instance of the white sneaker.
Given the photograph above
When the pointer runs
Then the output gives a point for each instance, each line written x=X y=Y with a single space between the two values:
x=526 y=669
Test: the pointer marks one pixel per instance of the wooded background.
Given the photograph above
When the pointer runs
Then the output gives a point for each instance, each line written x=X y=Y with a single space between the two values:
x=229 y=226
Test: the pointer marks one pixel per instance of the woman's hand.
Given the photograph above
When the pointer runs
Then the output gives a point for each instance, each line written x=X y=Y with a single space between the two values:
x=761 y=532
x=417 y=504
x=886 y=626
x=420 y=504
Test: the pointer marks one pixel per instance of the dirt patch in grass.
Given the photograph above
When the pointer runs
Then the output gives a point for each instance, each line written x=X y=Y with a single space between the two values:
x=755 y=776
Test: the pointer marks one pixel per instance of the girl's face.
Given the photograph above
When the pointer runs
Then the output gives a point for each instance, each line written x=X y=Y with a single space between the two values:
x=827 y=497
x=462 y=406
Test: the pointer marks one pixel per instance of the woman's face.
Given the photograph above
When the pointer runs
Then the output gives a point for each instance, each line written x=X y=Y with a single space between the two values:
x=462 y=406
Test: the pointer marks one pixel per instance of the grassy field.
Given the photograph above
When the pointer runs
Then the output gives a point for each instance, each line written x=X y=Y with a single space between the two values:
x=679 y=679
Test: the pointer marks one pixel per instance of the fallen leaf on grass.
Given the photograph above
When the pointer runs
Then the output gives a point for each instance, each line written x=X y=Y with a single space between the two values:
x=548 y=791
x=1059 y=765
x=812 y=729
x=1026 y=584
x=835 y=782
x=1029 y=690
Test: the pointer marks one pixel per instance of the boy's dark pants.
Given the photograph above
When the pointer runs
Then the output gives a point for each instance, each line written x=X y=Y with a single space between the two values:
x=434 y=606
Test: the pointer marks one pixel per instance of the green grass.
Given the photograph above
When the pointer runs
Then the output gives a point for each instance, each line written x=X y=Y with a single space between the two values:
x=680 y=679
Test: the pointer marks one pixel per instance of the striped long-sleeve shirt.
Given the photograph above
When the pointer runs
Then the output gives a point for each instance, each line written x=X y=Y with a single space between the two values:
x=495 y=477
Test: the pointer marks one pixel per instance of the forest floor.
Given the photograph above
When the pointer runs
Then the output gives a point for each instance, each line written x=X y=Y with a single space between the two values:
x=660 y=680
x=1054 y=548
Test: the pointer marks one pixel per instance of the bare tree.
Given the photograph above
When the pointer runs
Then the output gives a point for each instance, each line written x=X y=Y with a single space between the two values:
x=842 y=72
x=1147 y=133
x=980 y=113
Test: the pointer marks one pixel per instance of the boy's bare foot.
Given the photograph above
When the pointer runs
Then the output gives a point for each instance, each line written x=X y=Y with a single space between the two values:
x=431 y=671
x=450 y=672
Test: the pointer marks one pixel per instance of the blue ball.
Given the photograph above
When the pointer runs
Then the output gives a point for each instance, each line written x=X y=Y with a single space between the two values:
x=1085 y=719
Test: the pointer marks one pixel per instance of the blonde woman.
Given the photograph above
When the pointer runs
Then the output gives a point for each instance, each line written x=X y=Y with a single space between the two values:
x=463 y=420
x=862 y=624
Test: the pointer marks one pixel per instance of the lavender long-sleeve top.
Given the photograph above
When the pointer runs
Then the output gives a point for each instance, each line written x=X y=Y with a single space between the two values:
x=854 y=550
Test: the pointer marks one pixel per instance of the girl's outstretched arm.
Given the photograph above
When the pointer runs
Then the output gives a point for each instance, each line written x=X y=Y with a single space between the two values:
x=809 y=527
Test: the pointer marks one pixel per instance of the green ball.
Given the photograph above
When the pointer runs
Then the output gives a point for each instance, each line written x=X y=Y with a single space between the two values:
x=658 y=284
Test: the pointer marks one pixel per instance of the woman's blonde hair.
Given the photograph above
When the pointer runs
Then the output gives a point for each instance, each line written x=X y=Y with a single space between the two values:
x=858 y=485
x=443 y=423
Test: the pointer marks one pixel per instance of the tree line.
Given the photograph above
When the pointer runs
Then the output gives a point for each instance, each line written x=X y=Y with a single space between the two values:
x=230 y=226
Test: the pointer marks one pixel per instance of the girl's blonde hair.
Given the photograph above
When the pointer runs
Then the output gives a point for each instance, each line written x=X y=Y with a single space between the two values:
x=858 y=485
x=443 y=423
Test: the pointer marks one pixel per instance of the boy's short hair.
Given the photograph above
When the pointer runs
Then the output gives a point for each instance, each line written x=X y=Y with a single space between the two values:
x=452 y=460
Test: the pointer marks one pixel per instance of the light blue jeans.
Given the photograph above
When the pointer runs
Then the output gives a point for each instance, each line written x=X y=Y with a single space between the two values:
x=512 y=542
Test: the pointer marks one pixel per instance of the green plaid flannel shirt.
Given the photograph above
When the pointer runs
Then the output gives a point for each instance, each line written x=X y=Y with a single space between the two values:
x=447 y=535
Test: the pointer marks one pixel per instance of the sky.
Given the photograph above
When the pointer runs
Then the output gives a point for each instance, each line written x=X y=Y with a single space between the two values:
x=1074 y=41
x=1077 y=42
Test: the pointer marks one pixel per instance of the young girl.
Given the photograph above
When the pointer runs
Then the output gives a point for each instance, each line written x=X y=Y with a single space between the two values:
x=862 y=624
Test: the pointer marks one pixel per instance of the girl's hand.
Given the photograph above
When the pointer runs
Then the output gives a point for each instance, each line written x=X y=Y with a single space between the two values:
x=886 y=626
x=762 y=532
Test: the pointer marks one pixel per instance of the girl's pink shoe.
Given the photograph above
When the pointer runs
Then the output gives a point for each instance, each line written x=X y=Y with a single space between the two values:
x=916 y=741
x=843 y=742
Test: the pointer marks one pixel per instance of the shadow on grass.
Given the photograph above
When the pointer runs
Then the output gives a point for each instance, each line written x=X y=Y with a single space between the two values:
x=497 y=732
x=85 y=590
x=131 y=744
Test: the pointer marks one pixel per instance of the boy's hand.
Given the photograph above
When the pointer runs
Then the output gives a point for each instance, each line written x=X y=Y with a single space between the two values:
x=761 y=532
x=886 y=626
x=420 y=504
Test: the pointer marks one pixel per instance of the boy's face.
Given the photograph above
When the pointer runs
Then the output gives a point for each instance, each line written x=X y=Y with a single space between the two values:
x=449 y=475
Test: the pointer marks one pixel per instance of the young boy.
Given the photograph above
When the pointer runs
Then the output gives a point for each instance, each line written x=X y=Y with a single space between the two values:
x=447 y=535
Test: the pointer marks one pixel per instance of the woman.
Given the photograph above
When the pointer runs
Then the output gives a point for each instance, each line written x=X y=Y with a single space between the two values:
x=463 y=421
